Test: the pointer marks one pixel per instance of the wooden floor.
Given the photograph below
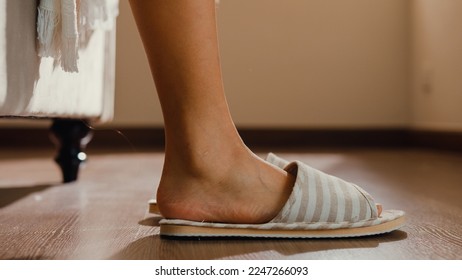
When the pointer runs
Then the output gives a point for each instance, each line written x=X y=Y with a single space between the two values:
x=104 y=215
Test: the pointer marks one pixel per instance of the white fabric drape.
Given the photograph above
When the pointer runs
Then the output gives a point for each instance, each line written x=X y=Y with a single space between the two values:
x=64 y=26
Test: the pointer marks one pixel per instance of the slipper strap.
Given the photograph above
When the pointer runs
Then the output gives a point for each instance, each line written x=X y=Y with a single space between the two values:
x=319 y=197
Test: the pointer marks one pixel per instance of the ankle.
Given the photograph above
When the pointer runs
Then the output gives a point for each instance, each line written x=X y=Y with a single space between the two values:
x=205 y=158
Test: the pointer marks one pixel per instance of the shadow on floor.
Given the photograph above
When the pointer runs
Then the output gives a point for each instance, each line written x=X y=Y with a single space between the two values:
x=157 y=248
x=151 y=221
x=10 y=195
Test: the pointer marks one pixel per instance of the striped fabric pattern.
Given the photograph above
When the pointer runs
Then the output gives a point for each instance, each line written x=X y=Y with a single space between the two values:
x=319 y=197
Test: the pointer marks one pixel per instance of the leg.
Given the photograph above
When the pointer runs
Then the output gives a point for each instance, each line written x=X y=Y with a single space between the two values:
x=71 y=137
x=209 y=174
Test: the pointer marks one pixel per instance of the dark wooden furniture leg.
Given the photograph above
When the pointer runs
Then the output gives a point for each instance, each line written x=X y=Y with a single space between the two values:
x=71 y=137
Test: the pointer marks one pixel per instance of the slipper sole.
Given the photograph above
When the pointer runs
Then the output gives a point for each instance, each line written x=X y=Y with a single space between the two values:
x=153 y=208
x=195 y=231
x=204 y=231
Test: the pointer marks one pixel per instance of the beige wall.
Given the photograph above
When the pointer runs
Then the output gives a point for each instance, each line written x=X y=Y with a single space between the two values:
x=437 y=64
x=318 y=63
x=291 y=63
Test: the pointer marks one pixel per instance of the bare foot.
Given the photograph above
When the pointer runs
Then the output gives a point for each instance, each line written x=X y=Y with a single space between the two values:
x=238 y=189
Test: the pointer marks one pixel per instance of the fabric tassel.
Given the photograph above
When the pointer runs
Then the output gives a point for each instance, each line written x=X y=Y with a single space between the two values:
x=69 y=55
x=69 y=36
x=93 y=12
x=65 y=26
x=47 y=27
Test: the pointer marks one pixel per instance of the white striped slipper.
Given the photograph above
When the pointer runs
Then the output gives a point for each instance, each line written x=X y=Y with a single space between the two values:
x=320 y=206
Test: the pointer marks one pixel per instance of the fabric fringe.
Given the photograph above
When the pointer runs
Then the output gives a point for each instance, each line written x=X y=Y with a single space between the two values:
x=96 y=14
x=47 y=30
x=92 y=13
x=69 y=55
x=69 y=36
x=65 y=26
